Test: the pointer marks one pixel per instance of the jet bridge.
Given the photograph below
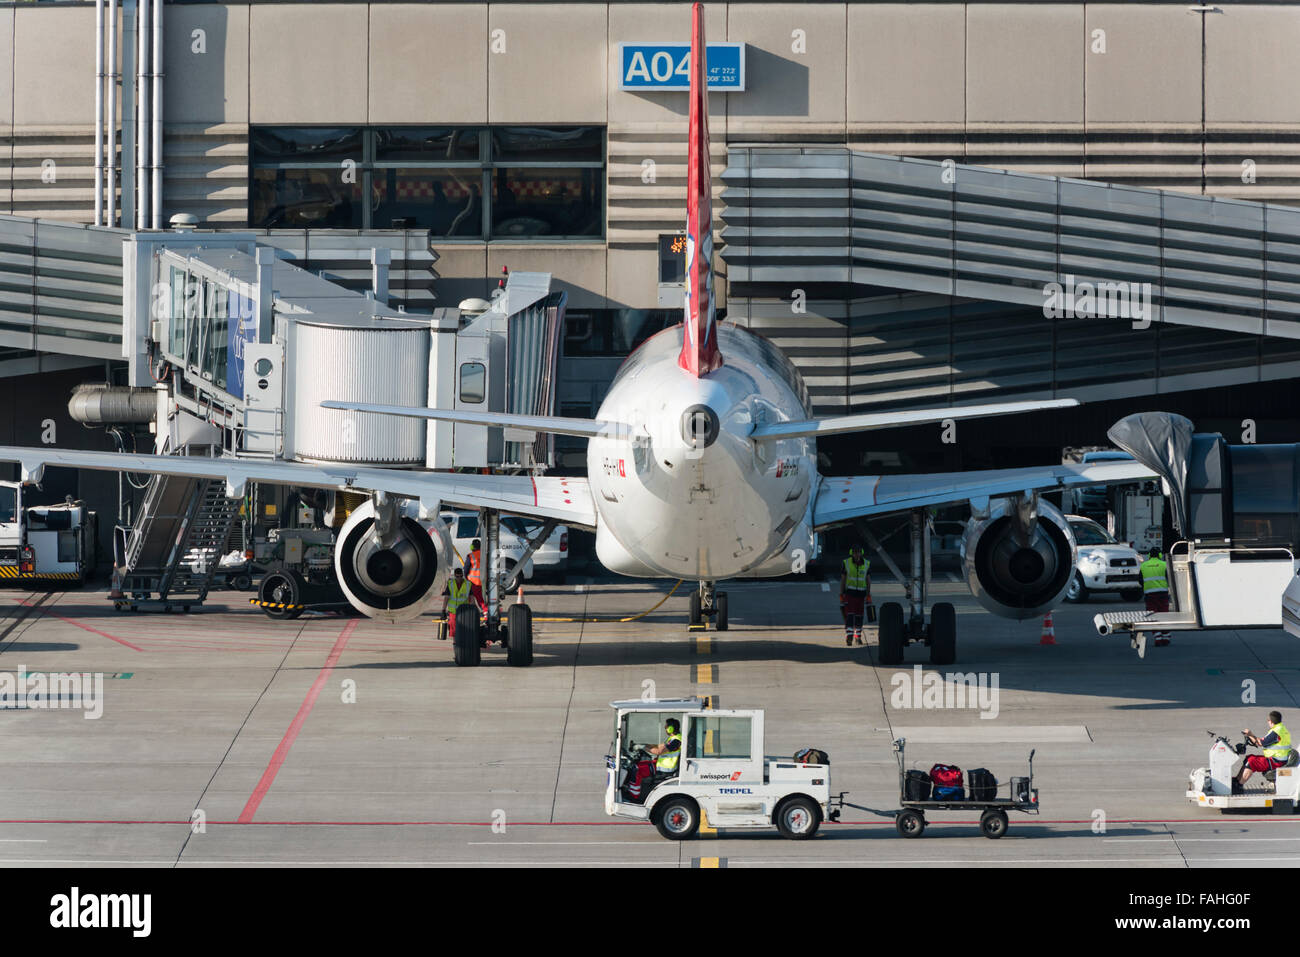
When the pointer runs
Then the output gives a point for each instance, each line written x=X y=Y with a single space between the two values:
x=243 y=347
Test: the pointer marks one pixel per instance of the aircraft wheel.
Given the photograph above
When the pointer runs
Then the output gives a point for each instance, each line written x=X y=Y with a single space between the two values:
x=890 y=633
x=696 y=612
x=720 y=605
x=468 y=646
x=943 y=634
x=519 y=636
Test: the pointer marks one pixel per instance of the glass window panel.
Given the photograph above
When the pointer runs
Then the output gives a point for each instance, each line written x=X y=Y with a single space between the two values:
x=8 y=505
x=727 y=738
x=218 y=346
x=304 y=144
x=176 y=337
x=613 y=332
x=427 y=144
x=576 y=144
x=305 y=197
x=449 y=202
x=473 y=382
x=547 y=202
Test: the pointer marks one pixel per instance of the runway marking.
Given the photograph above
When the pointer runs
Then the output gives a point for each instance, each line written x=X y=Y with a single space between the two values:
x=705 y=826
x=709 y=862
x=703 y=645
x=282 y=751
x=704 y=674
x=1192 y=840
x=649 y=842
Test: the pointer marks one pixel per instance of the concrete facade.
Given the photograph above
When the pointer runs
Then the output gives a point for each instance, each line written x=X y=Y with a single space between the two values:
x=1101 y=91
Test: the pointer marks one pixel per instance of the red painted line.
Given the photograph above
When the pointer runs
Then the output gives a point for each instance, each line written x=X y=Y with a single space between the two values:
x=1020 y=822
x=96 y=631
x=282 y=751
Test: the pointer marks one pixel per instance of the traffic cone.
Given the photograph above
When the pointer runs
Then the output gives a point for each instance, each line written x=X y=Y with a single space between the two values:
x=115 y=583
x=1049 y=631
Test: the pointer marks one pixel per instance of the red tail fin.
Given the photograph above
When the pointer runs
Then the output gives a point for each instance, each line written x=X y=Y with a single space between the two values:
x=700 y=353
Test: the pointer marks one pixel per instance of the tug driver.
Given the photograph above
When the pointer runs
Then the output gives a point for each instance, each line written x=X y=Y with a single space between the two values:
x=666 y=756
x=1276 y=746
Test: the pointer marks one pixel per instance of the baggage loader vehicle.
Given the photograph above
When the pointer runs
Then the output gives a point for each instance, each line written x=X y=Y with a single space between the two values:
x=1211 y=786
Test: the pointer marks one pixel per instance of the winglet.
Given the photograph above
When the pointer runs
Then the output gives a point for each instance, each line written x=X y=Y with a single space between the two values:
x=700 y=354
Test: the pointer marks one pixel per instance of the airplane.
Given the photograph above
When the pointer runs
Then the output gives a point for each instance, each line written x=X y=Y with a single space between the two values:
x=701 y=465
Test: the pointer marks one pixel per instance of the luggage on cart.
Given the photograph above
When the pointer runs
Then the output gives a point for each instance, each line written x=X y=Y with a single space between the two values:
x=983 y=785
x=918 y=786
x=946 y=775
x=950 y=793
x=1020 y=790
x=812 y=756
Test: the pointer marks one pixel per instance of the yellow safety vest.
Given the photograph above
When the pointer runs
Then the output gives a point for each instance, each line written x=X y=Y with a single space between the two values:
x=668 y=760
x=855 y=576
x=458 y=596
x=1279 y=751
x=1154 y=571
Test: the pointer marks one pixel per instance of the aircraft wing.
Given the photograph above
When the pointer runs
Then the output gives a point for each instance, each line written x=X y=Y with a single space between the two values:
x=566 y=499
x=588 y=428
x=841 y=500
x=866 y=421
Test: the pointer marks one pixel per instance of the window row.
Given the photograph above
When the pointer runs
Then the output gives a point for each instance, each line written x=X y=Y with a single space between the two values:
x=459 y=183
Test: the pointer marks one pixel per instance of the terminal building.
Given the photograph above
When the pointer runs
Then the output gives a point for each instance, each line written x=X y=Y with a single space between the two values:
x=921 y=203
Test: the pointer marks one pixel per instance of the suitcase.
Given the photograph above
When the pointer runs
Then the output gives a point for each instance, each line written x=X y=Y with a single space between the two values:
x=983 y=785
x=948 y=775
x=916 y=786
x=954 y=793
x=812 y=756
x=1020 y=790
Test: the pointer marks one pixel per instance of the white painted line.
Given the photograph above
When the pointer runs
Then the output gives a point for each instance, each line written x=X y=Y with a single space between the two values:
x=988 y=732
x=1191 y=840
x=553 y=843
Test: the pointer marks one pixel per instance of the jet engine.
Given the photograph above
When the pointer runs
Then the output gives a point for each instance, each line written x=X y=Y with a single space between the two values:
x=388 y=566
x=1019 y=557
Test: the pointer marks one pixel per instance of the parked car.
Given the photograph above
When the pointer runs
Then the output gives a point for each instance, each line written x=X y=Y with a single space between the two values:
x=551 y=557
x=1103 y=565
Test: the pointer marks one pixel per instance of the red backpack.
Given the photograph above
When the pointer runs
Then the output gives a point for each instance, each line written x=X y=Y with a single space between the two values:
x=946 y=775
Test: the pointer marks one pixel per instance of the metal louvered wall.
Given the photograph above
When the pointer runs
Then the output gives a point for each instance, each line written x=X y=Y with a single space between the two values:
x=61 y=287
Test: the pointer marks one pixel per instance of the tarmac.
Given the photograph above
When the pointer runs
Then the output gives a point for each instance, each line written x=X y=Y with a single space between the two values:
x=227 y=738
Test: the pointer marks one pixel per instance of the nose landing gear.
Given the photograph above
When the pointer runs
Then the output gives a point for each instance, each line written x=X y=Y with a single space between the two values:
x=707 y=602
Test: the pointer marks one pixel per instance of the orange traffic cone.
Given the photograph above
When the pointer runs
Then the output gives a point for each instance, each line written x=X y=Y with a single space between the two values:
x=115 y=586
x=1049 y=631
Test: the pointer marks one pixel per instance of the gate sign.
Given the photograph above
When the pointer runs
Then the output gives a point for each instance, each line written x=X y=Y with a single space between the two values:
x=666 y=66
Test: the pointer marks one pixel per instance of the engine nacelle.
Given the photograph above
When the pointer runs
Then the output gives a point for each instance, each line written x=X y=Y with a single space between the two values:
x=1018 y=578
x=397 y=581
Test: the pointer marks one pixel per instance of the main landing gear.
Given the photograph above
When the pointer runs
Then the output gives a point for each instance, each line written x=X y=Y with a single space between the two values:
x=514 y=628
x=899 y=627
x=707 y=602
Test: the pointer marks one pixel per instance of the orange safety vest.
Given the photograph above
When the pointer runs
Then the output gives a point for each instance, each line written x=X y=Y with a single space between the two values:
x=475 y=575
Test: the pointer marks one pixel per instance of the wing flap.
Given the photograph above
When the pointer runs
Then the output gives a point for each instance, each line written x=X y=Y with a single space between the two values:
x=841 y=500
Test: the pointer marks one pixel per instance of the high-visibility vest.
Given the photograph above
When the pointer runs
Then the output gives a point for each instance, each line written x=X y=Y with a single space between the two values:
x=855 y=576
x=1154 y=571
x=459 y=595
x=1279 y=751
x=475 y=575
x=668 y=760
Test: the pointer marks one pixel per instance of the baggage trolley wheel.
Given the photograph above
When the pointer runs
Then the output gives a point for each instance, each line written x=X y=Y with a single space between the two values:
x=993 y=823
x=910 y=823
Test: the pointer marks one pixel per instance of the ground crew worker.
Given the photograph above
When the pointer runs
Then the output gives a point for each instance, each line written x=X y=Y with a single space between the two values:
x=1155 y=588
x=666 y=757
x=474 y=571
x=1276 y=746
x=855 y=593
x=457 y=594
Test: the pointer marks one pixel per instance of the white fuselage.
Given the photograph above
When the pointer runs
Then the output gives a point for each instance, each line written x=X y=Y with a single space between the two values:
x=674 y=503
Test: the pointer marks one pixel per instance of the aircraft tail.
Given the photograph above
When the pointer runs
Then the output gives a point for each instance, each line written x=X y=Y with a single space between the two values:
x=700 y=354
